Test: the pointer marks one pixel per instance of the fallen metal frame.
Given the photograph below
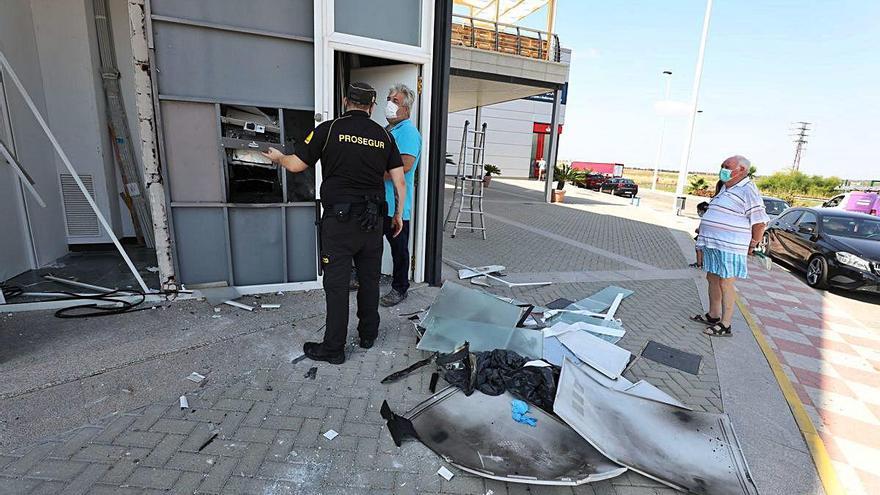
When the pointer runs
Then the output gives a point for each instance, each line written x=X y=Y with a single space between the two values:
x=22 y=173
x=487 y=274
x=457 y=427
x=61 y=154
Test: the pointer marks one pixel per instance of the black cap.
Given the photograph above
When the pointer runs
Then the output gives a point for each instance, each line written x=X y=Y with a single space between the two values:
x=361 y=93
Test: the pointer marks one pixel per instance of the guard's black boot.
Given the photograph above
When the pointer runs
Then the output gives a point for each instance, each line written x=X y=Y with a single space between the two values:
x=316 y=352
x=393 y=298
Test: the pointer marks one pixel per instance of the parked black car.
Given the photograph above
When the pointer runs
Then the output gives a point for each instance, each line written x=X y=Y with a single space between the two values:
x=774 y=206
x=834 y=247
x=620 y=187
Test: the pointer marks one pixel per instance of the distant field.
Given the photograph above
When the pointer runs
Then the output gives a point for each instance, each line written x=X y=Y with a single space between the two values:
x=666 y=181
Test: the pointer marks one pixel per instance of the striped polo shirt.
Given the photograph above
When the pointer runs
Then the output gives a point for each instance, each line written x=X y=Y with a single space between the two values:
x=727 y=224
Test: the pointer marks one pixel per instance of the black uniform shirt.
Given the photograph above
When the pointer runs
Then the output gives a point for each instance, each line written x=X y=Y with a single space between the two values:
x=355 y=153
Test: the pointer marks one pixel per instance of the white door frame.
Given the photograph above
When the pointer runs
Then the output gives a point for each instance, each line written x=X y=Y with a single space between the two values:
x=328 y=42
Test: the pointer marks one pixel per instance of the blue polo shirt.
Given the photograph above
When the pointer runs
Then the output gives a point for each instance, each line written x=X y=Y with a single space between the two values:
x=409 y=142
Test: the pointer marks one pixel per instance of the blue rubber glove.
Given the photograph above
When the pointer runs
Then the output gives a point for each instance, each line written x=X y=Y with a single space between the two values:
x=518 y=411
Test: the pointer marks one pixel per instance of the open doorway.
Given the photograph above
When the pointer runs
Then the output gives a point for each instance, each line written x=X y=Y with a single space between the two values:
x=382 y=74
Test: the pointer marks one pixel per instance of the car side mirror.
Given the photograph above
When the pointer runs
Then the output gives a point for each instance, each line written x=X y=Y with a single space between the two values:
x=806 y=229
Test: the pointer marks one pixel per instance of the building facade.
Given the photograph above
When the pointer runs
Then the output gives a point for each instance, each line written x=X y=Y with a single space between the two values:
x=207 y=84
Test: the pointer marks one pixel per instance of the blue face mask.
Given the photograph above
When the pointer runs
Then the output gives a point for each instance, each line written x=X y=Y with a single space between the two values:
x=725 y=175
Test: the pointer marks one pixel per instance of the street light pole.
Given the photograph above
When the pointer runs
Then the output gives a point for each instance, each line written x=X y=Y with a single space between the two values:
x=695 y=94
x=668 y=74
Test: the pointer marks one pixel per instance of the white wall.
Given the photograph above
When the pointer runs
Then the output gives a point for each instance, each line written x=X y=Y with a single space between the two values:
x=67 y=46
x=509 y=133
x=18 y=42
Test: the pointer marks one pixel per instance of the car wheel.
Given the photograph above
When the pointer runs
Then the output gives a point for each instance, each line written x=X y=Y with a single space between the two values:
x=817 y=273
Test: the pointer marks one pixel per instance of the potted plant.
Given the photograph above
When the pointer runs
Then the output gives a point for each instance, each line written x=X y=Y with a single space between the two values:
x=490 y=171
x=563 y=173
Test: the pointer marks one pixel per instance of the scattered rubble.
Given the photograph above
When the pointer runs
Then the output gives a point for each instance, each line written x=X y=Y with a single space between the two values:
x=501 y=357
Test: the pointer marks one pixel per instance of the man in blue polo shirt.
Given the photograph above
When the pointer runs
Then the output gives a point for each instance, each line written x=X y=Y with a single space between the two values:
x=397 y=110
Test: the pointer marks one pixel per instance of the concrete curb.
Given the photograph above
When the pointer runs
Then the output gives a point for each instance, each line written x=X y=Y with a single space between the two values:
x=818 y=452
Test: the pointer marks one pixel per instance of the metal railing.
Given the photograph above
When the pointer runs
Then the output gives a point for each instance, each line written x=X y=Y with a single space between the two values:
x=505 y=38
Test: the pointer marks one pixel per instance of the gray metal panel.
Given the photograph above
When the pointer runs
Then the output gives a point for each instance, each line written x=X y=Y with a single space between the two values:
x=194 y=168
x=255 y=236
x=374 y=22
x=302 y=248
x=279 y=16
x=695 y=452
x=227 y=66
x=476 y=434
x=199 y=239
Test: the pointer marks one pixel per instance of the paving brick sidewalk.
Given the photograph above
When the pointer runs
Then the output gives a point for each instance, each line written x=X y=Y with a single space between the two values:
x=832 y=358
x=269 y=422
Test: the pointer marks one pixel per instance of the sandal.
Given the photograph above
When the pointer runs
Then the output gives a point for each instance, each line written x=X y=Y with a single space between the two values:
x=718 y=330
x=705 y=318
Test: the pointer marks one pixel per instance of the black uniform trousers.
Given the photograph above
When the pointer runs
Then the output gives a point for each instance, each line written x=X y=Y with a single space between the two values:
x=342 y=242
x=399 y=255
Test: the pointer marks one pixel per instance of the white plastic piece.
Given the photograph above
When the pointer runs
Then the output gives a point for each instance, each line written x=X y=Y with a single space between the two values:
x=605 y=357
x=195 y=377
x=239 y=305
x=537 y=363
x=445 y=473
x=270 y=306
x=184 y=404
x=557 y=329
x=330 y=434
x=613 y=309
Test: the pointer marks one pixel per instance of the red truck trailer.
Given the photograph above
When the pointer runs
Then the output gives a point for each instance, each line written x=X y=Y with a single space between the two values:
x=612 y=169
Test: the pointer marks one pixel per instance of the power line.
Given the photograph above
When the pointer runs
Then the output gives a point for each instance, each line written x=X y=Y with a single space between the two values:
x=801 y=131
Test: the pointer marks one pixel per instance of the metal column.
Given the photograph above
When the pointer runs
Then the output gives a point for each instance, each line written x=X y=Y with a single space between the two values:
x=554 y=144
x=437 y=148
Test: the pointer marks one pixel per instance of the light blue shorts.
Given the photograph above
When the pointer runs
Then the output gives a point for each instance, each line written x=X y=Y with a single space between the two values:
x=725 y=264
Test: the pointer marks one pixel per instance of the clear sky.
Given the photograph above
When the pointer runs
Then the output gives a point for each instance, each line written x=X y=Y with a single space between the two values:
x=768 y=64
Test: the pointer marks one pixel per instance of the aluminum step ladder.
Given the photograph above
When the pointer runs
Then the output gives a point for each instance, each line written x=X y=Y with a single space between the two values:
x=467 y=197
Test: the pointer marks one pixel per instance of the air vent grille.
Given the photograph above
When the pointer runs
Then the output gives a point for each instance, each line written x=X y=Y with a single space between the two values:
x=81 y=220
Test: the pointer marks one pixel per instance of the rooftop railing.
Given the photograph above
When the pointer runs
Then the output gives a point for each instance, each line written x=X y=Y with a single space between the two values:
x=505 y=38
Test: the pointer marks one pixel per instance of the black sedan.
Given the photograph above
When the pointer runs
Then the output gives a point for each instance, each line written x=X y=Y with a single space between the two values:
x=834 y=247
x=620 y=187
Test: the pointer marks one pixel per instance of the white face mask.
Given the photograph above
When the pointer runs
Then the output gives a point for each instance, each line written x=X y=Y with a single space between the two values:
x=391 y=109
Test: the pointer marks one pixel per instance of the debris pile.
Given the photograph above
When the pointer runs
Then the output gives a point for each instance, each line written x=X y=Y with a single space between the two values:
x=537 y=395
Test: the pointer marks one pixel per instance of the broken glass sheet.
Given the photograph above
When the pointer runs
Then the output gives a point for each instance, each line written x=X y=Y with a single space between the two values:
x=445 y=335
x=694 y=452
x=607 y=358
x=475 y=433
x=602 y=300
x=460 y=302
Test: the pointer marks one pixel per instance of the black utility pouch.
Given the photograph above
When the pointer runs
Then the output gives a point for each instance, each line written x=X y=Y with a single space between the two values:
x=342 y=211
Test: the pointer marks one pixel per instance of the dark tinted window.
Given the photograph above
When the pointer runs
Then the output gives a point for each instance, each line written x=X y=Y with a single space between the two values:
x=808 y=219
x=775 y=206
x=789 y=218
x=626 y=181
x=851 y=227
x=834 y=201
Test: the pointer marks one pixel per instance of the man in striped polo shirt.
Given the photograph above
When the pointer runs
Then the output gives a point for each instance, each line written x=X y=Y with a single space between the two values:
x=729 y=231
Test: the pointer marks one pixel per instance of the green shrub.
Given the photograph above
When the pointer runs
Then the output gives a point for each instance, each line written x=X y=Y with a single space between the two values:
x=697 y=185
x=788 y=184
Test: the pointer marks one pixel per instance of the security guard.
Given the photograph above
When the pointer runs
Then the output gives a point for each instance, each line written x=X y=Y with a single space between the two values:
x=355 y=153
